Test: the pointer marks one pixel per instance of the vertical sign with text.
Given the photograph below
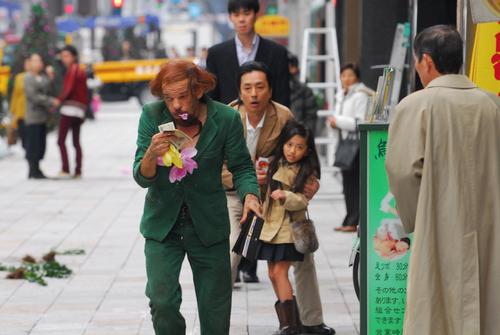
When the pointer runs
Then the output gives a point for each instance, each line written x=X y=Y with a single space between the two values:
x=387 y=245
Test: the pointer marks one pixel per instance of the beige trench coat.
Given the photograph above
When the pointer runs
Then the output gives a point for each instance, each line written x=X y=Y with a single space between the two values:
x=443 y=164
x=277 y=227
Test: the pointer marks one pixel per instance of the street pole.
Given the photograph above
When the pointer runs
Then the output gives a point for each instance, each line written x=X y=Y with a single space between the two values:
x=330 y=68
x=413 y=16
x=462 y=28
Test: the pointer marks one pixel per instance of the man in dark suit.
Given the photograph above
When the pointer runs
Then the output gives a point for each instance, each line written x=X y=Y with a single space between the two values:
x=224 y=59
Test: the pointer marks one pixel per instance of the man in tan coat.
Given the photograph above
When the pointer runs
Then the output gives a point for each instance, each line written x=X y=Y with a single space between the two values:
x=443 y=164
x=263 y=120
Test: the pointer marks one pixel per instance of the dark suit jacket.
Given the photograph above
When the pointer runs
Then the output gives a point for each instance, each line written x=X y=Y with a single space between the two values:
x=222 y=61
x=221 y=138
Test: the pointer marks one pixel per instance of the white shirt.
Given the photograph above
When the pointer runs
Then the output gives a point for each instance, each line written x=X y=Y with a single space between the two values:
x=245 y=55
x=354 y=108
x=253 y=136
x=73 y=111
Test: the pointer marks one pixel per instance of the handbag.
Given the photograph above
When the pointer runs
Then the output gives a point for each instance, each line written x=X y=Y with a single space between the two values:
x=347 y=150
x=12 y=135
x=304 y=235
x=248 y=243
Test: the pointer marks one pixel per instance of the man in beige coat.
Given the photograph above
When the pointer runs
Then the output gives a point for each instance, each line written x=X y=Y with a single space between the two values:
x=443 y=164
x=263 y=120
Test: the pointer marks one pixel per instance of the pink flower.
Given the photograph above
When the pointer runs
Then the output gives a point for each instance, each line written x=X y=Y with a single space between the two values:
x=188 y=165
x=176 y=174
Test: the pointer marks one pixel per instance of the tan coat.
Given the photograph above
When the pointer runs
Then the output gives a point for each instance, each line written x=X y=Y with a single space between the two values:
x=18 y=99
x=276 y=117
x=443 y=164
x=276 y=227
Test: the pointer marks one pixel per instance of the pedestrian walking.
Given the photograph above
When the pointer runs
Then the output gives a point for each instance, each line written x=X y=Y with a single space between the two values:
x=185 y=211
x=263 y=120
x=295 y=161
x=18 y=103
x=38 y=89
x=443 y=166
x=354 y=107
x=302 y=100
x=224 y=59
x=74 y=100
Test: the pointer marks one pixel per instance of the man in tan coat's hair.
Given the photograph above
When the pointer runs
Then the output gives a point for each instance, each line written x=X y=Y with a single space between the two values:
x=443 y=164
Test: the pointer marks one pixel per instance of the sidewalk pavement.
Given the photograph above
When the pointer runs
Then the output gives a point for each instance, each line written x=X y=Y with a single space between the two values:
x=100 y=213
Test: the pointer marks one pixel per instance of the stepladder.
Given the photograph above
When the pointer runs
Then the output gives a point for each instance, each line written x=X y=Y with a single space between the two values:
x=330 y=85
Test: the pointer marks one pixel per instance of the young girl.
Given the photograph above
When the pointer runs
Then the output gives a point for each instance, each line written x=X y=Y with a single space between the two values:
x=295 y=161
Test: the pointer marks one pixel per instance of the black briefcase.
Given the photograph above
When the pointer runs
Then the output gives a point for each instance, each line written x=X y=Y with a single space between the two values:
x=248 y=243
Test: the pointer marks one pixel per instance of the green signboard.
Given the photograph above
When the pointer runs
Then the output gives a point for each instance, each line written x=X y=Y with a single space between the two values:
x=385 y=247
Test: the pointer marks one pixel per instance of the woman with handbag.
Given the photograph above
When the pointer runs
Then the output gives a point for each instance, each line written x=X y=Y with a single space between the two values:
x=295 y=161
x=355 y=104
x=74 y=99
x=39 y=101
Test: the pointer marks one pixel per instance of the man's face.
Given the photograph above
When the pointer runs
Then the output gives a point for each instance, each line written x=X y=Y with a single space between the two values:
x=180 y=102
x=243 y=21
x=423 y=69
x=255 y=91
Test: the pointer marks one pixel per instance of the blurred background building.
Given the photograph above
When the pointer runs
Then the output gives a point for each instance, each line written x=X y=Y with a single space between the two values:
x=105 y=30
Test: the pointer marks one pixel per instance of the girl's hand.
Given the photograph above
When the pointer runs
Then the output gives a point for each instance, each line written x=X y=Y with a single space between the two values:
x=278 y=195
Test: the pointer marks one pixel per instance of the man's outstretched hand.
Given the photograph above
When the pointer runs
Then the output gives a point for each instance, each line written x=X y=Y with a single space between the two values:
x=252 y=204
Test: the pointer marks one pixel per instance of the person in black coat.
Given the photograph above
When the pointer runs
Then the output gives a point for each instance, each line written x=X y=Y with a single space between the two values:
x=224 y=59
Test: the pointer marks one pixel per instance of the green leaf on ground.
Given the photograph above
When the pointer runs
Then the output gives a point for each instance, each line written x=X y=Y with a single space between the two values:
x=71 y=252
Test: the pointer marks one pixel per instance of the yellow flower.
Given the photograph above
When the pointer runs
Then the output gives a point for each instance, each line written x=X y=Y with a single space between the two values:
x=173 y=156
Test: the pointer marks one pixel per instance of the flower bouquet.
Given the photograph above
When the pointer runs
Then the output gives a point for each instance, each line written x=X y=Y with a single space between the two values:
x=178 y=157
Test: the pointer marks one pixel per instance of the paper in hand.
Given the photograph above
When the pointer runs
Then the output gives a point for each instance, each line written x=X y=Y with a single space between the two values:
x=180 y=138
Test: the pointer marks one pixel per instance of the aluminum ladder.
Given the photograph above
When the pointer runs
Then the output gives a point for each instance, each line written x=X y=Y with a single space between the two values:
x=331 y=85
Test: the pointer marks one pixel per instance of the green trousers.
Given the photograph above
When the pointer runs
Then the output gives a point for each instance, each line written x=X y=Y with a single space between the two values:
x=211 y=275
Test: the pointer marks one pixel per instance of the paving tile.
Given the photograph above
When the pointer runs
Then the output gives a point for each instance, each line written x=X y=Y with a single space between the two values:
x=100 y=213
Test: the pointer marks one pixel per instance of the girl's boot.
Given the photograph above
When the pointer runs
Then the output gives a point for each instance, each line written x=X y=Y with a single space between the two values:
x=288 y=317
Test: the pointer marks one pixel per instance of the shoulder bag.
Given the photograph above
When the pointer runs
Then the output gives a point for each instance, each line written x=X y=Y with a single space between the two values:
x=304 y=234
x=347 y=150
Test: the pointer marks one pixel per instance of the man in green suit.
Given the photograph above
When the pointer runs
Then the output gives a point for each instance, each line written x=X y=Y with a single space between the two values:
x=189 y=217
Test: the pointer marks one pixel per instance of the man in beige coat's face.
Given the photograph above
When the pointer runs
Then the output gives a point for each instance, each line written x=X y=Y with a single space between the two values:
x=443 y=166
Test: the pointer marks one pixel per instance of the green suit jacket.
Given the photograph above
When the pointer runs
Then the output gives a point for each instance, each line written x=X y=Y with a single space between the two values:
x=221 y=138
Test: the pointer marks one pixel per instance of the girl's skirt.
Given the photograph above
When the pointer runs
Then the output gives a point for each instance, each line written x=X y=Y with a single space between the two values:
x=251 y=247
x=279 y=252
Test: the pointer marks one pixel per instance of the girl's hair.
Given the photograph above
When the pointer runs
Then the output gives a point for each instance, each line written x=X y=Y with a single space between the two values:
x=308 y=165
